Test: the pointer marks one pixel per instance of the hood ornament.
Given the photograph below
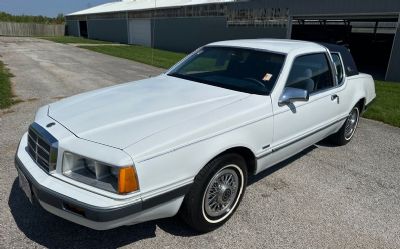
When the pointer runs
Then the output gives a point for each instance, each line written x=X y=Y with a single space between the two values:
x=50 y=124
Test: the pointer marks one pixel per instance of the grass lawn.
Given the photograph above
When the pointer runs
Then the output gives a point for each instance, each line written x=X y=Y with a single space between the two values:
x=73 y=39
x=6 y=97
x=386 y=107
x=163 y=59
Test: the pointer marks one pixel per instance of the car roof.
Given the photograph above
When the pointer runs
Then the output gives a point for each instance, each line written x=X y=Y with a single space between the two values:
x=284 y=46
x=348 y=61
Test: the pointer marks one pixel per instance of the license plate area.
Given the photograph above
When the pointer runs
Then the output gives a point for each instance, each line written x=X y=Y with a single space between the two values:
x=25 y=185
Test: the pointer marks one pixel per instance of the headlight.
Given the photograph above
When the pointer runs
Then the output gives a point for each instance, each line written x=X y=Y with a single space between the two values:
x=121 y=180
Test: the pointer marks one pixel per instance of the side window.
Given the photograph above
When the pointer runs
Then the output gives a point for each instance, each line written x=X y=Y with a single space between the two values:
x=339 y=67
x=311 y=72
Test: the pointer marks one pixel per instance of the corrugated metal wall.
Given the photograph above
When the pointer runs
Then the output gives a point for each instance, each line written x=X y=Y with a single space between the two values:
x=114 y=30
x=186 y=34
x=325 y=7
x=72 y=27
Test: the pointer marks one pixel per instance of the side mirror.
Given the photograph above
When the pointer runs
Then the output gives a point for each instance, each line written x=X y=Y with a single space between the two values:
x=291 y=95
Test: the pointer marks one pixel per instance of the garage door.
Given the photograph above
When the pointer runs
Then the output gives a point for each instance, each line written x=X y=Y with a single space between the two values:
x=140 y=32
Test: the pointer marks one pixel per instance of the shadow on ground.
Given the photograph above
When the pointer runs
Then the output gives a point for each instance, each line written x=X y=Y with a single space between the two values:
x=53 y=232
x=271 y=170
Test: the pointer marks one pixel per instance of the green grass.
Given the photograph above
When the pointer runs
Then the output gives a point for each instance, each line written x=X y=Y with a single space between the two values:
x=386 y=107
x=161 y=58
x=73 y=39
x=6 y=96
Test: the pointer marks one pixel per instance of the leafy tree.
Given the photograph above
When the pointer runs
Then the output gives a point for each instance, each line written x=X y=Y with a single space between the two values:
x=6 y=17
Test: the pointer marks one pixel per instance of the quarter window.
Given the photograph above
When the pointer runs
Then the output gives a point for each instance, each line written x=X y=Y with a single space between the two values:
x=339 y=67
x=311 y=72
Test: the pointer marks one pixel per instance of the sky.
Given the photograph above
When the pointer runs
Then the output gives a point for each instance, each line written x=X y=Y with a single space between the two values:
x=49 y=8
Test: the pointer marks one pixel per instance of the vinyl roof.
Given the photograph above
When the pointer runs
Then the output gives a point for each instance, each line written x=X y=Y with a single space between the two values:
x=129 y=5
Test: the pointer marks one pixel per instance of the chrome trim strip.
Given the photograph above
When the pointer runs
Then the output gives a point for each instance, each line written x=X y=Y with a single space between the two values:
x=43 y=149
x=43 y=159
x=38 y=145
x=39 y=130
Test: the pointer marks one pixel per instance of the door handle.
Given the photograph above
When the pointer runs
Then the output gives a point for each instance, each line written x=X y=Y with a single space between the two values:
x=335 y=96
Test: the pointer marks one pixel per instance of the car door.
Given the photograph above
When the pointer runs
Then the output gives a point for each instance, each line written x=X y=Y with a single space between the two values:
x=299 y=124
x=343 y=95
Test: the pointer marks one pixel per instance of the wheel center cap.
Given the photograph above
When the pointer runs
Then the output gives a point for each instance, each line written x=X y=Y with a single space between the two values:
x=226 y=195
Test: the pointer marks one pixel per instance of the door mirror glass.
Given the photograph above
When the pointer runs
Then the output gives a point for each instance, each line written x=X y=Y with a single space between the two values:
x=291 y=95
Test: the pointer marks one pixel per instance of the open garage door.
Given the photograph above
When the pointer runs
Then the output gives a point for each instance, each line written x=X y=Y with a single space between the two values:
x=370 y=39
x=140 y=32
x=83 y=29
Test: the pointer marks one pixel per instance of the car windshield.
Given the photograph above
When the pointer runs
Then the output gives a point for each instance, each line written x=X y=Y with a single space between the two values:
x=240 y=69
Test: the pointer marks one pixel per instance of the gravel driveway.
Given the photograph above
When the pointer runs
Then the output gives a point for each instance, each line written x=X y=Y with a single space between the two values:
x=326 y=197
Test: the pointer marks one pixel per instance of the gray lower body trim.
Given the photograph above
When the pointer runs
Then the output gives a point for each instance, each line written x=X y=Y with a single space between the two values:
x=280 y=147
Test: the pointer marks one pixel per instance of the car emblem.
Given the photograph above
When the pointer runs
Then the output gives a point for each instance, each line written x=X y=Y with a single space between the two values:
x=50 y=124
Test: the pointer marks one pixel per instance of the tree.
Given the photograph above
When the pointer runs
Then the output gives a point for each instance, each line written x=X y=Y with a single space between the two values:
x=5 y=17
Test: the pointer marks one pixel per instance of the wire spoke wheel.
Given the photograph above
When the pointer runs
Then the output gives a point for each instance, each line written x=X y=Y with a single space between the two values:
x=351 y=124
x=216 y=192
x=223 y=192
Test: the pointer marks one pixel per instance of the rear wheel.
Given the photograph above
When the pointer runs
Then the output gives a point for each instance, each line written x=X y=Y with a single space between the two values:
x=216 y=193
x=346 y=133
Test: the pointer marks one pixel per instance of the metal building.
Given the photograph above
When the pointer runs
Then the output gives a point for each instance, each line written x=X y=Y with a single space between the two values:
x=369 y=28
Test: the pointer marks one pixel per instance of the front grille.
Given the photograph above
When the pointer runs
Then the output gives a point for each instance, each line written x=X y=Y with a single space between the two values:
x=42 y=147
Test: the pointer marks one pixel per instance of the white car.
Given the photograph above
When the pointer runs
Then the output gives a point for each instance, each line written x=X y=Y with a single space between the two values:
x=188 y=139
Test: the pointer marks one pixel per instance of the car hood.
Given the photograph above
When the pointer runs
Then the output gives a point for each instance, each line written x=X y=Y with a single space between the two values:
x=122 y=115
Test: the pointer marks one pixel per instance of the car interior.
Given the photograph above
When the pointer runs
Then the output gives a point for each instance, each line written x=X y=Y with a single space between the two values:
x=311 y=73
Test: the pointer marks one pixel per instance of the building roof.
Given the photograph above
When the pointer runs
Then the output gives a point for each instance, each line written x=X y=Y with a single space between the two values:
x=284 y=46
x=130 y=5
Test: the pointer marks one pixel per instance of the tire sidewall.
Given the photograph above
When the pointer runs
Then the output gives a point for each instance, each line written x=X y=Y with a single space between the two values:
x=195 y=197
x=355 y=127
x=222 y=217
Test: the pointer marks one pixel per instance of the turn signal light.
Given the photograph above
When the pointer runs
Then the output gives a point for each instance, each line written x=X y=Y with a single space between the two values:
x=127 y=180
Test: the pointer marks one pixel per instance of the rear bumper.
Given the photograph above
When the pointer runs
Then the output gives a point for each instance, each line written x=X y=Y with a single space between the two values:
x=90 y=209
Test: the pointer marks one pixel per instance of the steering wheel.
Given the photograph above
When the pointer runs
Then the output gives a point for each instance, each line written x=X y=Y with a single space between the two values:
x=255 y=81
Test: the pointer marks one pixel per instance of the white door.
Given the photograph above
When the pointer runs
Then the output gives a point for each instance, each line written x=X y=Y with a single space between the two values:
x=300 y=124
x=140 y=32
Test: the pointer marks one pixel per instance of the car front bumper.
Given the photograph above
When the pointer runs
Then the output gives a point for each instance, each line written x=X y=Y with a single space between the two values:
x=91 y=209
x=62 y=202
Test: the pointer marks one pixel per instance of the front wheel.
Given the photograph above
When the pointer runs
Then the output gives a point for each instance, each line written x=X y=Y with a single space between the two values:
x=216 y=193
x=346 y=133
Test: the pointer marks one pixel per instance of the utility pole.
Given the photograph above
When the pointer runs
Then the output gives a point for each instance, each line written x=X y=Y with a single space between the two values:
x=153 y=31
